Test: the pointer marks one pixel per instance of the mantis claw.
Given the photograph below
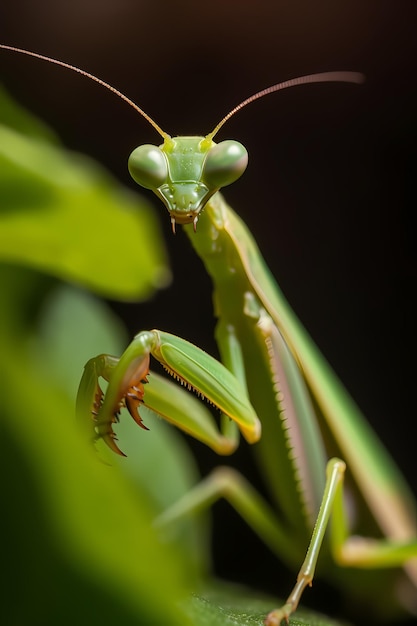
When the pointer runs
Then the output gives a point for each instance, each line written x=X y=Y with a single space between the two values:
x=133 y=400
x=110 y=439
x=126 y=380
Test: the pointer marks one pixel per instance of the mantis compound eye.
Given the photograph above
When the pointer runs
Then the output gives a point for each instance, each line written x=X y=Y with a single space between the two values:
x=224 y=164
x=148 y=166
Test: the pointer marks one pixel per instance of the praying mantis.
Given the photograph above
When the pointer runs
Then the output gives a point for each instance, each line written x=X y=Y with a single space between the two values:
x=273 y=386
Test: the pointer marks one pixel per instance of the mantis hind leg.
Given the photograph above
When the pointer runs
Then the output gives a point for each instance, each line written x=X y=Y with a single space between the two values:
x=225 y=482
x=229 y=484
x=332 y=498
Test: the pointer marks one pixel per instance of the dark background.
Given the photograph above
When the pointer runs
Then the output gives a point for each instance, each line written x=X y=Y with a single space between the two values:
x=330 y=189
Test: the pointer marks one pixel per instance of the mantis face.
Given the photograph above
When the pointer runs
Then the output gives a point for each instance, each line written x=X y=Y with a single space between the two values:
x=184 y=172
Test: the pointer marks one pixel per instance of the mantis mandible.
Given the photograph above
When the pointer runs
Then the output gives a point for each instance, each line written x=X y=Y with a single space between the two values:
x=259 y=339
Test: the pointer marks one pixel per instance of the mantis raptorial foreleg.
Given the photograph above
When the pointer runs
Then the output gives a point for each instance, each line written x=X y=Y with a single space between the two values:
x=270 y=363
x=128 y=376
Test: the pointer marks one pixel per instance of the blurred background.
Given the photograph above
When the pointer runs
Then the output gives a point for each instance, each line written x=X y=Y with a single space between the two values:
x=329 y=192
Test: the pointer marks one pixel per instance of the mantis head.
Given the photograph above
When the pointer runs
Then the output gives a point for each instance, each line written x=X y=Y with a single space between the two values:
x=184 y=172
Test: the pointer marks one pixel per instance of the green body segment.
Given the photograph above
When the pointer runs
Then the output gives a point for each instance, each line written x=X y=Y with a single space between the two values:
x=228 y=248
x=292 y=458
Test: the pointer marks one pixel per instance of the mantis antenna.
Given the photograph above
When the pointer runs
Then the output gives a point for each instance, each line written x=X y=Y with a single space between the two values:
x=323 y=77
x=92 y=77
x=347 y=77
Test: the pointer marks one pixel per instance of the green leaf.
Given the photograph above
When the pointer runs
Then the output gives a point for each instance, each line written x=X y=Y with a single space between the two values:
x=78 y=534
x=233 y=605
x=63 y=214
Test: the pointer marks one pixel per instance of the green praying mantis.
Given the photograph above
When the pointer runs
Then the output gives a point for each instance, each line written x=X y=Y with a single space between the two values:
x=273 y=386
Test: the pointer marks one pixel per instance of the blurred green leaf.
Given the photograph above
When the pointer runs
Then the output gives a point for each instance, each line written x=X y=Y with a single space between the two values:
x=79 y=538
x=17 y=117
x=77 y=530
x=226 y=604
x=63 y=214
